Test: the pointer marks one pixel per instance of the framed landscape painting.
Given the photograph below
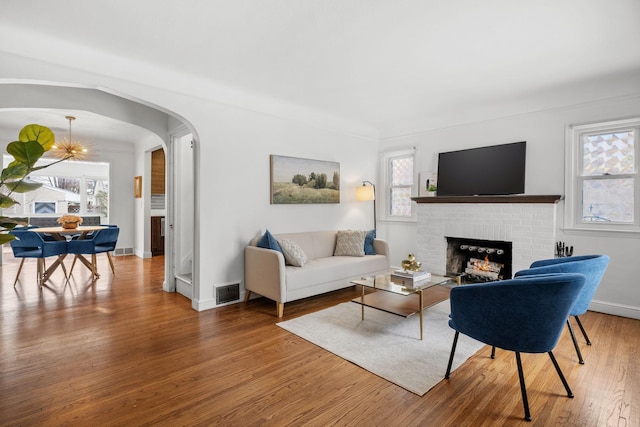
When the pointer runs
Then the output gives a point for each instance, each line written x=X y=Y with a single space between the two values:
x=295 y=180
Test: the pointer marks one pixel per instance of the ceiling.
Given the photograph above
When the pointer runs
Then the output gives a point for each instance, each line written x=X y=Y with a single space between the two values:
x=385 y=64
x=88 y=128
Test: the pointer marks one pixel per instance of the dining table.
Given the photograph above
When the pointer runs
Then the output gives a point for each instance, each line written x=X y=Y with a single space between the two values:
x=61 y=233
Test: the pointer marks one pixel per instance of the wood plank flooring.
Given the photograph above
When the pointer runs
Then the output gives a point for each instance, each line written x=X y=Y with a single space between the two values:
x=121 y=352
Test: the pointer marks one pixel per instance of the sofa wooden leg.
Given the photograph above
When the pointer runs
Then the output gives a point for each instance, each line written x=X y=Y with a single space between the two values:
x=280 y=306
x=247 y=296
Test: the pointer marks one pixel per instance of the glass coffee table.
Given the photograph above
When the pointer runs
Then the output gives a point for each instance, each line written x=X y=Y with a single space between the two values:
x=400 y=300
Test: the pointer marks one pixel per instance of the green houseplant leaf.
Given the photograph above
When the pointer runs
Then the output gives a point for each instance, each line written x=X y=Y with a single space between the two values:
x=33 y=141
x=6 y=238
x=15 y=170
x=26 y=152
x=6 y=201
x=10 y=223
x=23 y=187
x=40 y=134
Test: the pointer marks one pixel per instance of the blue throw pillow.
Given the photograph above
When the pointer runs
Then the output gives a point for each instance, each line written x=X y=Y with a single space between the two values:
x=368 y=242
x=267 y=241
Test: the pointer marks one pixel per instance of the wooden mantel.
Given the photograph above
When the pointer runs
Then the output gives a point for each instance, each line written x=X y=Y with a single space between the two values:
x=490 y=199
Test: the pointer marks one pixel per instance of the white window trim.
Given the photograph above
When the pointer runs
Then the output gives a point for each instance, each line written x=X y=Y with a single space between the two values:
x=386 y=179
x=573 y=199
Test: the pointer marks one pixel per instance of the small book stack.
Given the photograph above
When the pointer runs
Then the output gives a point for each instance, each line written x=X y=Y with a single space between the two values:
x=410 y=279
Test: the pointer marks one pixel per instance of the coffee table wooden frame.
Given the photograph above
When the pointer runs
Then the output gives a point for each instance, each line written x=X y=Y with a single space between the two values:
x=396 y=299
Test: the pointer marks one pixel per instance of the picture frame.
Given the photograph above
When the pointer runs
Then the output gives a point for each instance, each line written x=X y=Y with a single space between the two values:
x=426 y=179
x=296 y=180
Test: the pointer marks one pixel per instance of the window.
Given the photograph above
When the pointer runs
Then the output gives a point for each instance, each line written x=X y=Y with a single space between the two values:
x=44 y=207
x=604 y=184
x=69 y=187
x=400 y=172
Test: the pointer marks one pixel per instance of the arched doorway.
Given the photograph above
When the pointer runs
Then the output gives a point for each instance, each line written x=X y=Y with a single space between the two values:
x=159 y=127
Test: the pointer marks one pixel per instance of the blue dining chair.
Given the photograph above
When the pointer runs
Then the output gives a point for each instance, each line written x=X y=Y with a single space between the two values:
x=592 y=266
x=521 y=315
x=103 y=241
x=29 y=244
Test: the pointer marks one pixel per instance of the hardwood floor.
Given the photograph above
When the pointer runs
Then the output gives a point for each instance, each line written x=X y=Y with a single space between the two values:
x=123 y=352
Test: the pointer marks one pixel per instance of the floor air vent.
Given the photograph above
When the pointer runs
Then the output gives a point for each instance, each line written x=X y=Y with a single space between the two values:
x=227 y=293
x=124 y=251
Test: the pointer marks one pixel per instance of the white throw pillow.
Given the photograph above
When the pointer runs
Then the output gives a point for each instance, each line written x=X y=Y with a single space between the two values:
x=293 y=254
x=350 y=243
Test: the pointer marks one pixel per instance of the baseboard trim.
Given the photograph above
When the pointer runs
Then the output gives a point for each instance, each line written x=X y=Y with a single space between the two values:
x=615 y=309
x=211 y=303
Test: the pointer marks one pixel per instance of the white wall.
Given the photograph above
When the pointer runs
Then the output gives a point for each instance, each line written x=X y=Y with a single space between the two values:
x=235 y=145
x=545 y=135
x=184 y=197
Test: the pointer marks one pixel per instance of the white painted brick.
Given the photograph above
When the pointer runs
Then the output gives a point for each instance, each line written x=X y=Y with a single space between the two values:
x=531 y=228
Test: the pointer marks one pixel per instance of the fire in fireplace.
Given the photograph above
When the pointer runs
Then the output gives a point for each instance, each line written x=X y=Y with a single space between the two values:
x=479 y=260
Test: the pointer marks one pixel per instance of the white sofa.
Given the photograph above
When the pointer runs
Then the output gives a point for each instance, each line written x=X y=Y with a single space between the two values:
x=266 y=273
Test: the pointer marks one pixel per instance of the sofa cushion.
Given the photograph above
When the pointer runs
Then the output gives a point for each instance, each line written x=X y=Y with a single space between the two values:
x=334 y=269
x=268 y=242
x=315 y=244
x=350 y=243
x=368 y=242
x=293 y=254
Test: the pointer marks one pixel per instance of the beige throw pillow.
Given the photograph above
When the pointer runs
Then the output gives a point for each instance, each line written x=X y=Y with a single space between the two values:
x=350 y=243
x=293 y=254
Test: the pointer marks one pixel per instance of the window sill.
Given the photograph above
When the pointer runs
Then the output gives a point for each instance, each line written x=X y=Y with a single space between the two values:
x=630 y=234
x=399 y=219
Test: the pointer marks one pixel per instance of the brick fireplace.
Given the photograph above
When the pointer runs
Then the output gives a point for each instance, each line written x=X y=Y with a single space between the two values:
x=527 y=222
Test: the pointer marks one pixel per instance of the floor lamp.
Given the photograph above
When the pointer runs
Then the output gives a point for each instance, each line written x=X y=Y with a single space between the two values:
x=366 y=193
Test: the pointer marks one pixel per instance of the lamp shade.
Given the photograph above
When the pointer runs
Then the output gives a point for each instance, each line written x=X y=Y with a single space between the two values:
x=365 y=193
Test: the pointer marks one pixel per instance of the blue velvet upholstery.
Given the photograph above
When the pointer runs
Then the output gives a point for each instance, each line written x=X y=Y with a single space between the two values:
x=522 y=315
x=525 y=315
x=591 y=266
x=368 y=242
x=102 y=241
x=267 y=241
x=30 y=244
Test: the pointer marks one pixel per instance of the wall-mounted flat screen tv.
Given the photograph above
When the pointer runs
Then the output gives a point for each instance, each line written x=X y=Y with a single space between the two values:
x=492 y=170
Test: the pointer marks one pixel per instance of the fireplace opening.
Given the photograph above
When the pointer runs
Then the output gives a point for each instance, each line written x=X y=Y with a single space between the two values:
x=478 y=261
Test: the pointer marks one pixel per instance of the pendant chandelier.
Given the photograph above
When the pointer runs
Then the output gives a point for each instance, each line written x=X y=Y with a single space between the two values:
x=67 y=148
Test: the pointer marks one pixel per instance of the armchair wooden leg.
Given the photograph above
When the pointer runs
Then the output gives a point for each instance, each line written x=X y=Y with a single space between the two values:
x=41 y=269
x=113 y=269
x=575 y=343
x=247 y=296
x=280 y=309
x=523 y=388
x=94 y=264
x=453 y=351
x=73 y=264
x=493 y=351
x=64 y=269
x=18 y=274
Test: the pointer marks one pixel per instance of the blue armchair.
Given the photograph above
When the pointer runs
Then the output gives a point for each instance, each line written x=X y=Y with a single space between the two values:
x=522 y=315
x=29 y=244
x=103 y=241
x=593 y=268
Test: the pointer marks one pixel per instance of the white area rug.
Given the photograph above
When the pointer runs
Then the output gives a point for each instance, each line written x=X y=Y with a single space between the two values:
x=386 y=344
